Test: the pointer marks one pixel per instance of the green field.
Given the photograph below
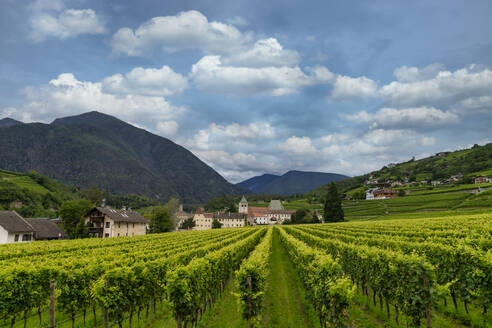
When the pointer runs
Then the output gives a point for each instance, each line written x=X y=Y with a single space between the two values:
x=392 y=273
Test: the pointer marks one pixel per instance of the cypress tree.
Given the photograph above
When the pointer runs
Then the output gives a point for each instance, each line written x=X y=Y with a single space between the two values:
x=333 y=205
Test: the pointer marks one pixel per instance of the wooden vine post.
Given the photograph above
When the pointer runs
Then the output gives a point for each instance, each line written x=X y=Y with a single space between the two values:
x=52 y=303
x=427 y=305
x=250 y=288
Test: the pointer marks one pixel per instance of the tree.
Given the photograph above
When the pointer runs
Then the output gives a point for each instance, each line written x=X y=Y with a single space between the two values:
x=161 y=220
x=216 y=224
x=401 y=193
x=188 y=224
x=314 y=218
x=73 y=214
x=172 y=207
x=299 y=216
x=333 y=205
x=95 y=195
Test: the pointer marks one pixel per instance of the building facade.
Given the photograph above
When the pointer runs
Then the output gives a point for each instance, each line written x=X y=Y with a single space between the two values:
x=107 y=223
x=275 y=213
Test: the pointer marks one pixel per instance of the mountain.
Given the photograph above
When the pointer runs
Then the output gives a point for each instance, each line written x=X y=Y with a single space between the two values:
x=8 y=122
x=98 y=149
x=258 y=182
x=471 y=162
x=292 y=182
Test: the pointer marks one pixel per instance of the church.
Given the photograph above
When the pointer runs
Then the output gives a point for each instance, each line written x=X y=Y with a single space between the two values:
x=273 y=214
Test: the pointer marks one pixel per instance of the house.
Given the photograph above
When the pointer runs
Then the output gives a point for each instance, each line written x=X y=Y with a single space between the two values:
x=14 y=228
x=107 y=222
x=46 y=229
x=230 y=220
x=391 y=165
x=275 y=213
x=435 y=182
x=443 y=153
x=482 y=179
x=384 y=193
x=203 y=221
x=396 y=183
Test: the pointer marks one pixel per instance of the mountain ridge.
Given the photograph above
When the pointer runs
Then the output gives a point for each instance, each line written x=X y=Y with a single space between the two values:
x=98 y=149
x=292 y=182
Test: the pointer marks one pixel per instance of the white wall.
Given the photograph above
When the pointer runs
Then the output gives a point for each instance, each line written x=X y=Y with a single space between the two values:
x=7 y=238
x=3 y=235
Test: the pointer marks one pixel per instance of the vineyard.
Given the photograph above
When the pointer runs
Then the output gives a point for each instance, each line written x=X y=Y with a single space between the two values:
x=394 y=273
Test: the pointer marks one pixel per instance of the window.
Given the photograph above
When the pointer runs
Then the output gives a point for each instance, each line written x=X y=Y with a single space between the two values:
x=106 y=235
x=26 y=237
x=119 y=224
x=108 y=225
x=134 y=226
x=16 y=238
x=118 y=234
x=127 y=234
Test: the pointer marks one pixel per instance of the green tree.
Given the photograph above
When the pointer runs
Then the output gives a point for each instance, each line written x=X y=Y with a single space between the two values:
x=314 y=218
x=73 y=214
x=401 y=193
x=299 y=216
x=95 y=195
x=188 y=224
x=216 y=224
x=333 y=205
x=161 y=220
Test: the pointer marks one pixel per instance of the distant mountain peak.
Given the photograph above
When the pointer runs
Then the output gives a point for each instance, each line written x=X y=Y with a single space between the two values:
x=292 y=182
x=7 y=121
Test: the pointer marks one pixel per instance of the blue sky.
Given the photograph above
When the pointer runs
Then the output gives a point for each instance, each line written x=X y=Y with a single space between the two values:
x=256 y=87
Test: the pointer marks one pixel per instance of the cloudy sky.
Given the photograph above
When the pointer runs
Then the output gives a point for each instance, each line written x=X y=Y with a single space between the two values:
x=254 y=86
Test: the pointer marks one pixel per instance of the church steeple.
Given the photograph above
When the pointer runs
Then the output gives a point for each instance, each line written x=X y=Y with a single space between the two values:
x=243 y=205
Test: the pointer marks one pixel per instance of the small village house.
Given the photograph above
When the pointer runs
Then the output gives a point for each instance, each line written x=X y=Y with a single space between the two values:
x=181 y=216
x=275 y=213
x=46 y=229
x=482 y=179
x=107 y=222
x=203 y=221
x=378 y=193
x=14 y=228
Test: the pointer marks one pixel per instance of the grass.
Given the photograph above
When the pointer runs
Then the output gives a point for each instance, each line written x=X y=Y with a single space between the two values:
x=285 y=300
x=22 y=181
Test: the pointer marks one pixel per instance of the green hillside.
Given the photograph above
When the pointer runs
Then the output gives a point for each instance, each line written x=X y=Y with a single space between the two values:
x=32 y=194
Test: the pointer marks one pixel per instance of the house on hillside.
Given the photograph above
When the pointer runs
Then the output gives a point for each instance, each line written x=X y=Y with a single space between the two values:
x=443 y=153
x=14 y=228
x=482 y=179
x=107 y=222
x=380 y=193
x=46 y=229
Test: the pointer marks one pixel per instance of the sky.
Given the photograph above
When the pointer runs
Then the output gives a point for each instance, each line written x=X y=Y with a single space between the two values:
x=253 y=87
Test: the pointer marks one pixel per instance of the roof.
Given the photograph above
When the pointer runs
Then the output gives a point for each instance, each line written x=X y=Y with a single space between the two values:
x=243 y=200
x=264 y=211
x=122 y=215
x=230 y=216
x=13 y=222
x=276 y=204
x=45 y=228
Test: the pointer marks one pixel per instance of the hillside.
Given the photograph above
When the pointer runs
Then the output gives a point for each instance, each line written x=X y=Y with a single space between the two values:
x=98 y=149
x=468 y=162
x=292 y=182
x=32 y=194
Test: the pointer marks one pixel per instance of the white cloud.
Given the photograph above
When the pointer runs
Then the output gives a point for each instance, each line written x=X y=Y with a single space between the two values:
x=167 y=128
x=451 y=89
x=66 y=24
x=414 y=74
x=264 y=53
x=349 y=88
x=186 y=30
x=209 y=74
x=298 y=145
x=416 y=117
x=146 y=81
x=66 y=95
x=250 y=131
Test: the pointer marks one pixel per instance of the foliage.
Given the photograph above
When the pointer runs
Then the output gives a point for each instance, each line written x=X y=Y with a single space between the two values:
x=333 y=205
x=222 y=203
x=216 y=224
x=73 y=213
x=161 y=220
x=188 y=224
x=95 y=195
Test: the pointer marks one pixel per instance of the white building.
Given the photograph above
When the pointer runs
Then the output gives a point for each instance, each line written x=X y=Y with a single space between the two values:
x=273 y=214
x=14 y=228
